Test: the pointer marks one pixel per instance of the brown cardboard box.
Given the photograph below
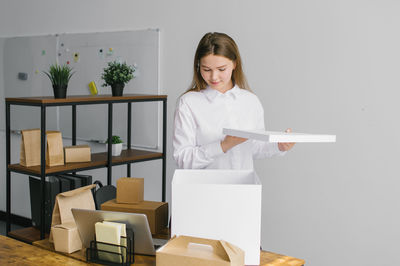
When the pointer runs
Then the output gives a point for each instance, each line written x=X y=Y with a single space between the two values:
x=185 y=250
x=66 y=237
x=76 y=154
x=156 y=212
x=130 y=190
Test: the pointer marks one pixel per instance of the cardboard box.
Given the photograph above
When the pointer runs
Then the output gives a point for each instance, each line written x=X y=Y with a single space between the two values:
x=76 y=154
x=66 y=237
x=156 y=212
x=219 y=204
x=184 y=250
x=130 y=190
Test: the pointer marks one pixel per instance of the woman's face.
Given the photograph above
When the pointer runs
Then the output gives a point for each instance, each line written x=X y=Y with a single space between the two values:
x=216 y=71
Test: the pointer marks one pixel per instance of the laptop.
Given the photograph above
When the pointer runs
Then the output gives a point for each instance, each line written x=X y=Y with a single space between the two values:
x=86 y=219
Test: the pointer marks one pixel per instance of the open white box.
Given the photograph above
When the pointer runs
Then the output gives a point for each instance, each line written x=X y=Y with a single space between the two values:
x=219 y=204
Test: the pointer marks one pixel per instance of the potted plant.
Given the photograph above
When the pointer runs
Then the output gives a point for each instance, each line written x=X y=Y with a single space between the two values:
x=59 y=77
x=116 y=143
x=117 y=75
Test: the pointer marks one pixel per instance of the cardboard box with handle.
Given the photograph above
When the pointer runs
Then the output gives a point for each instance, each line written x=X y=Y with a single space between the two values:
x=194 y=251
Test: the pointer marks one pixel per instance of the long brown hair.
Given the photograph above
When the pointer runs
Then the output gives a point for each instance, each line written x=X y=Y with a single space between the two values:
x=217 y=44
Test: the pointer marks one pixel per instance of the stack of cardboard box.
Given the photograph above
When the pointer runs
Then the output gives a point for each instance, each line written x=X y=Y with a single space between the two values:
x=129 y=198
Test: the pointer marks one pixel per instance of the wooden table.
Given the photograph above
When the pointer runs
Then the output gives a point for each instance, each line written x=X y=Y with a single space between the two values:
x=81 y=254
x=267 y=258
x=18 y=253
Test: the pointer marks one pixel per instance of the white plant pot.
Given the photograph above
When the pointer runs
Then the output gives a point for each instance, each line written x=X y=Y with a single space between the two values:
x=116 y=149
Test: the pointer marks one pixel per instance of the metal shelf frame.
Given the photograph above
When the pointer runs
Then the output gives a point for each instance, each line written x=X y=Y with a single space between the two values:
x=74 y=101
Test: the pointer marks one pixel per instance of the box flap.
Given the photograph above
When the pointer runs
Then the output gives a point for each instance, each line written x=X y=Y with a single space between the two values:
x=236 y=255
x=196 y=247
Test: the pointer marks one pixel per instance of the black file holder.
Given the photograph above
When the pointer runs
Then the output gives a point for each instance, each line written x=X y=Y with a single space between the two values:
x=99 y=251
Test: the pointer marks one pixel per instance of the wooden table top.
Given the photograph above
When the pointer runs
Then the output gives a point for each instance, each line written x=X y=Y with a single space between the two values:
x=81 y=254
x=267 y=258
x=18 y=253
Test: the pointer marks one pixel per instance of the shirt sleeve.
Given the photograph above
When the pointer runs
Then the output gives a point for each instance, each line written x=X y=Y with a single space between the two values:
x=187 y=153
x=263 y=149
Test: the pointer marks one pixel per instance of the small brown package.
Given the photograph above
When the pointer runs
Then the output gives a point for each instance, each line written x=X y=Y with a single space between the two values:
x=80 y=198
x=130 y=190
x=156 y=212
x=30 y=147
x=55 y=152
x=76 y=154
x=66 y=237
x=194 y=251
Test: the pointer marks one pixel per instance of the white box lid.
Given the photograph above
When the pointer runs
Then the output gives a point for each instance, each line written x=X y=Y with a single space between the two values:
x=275 y=136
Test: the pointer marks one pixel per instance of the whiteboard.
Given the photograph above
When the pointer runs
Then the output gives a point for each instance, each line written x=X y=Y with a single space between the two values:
x=29 y=55
x=87 y=54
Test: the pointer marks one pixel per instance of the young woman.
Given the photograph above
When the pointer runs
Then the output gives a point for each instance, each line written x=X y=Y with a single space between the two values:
x=218 y=98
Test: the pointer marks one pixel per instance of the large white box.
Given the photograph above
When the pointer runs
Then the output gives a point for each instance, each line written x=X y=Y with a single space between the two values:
x=221 y=205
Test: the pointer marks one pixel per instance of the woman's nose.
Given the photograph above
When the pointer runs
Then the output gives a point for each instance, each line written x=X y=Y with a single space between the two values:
x=214 y=75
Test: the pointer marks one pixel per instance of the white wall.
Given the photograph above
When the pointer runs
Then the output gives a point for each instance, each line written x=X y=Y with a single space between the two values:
x=317 y=66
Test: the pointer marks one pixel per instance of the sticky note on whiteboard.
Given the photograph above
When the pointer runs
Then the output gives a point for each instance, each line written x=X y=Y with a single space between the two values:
x=93 y=88
x=275 y=136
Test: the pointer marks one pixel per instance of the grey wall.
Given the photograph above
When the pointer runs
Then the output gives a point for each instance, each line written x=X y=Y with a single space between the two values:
x=317 y=66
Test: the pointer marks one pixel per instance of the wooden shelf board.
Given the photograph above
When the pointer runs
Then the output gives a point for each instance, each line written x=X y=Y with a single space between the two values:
x=85 y=98
x=98 y=160
x=27 y=235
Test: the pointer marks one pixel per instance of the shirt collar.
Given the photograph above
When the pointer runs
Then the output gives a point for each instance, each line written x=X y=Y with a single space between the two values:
x=211 y=94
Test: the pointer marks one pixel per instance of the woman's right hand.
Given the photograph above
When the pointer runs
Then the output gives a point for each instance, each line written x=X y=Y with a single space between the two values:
x=230 y=141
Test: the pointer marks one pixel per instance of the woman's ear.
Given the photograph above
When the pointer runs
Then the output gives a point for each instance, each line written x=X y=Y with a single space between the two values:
x=234 y=65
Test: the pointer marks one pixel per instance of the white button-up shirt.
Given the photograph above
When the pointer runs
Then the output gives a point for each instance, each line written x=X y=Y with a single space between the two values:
x=199 y=120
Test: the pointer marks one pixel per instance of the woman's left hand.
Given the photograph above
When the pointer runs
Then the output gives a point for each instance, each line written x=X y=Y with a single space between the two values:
x=285 y=146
